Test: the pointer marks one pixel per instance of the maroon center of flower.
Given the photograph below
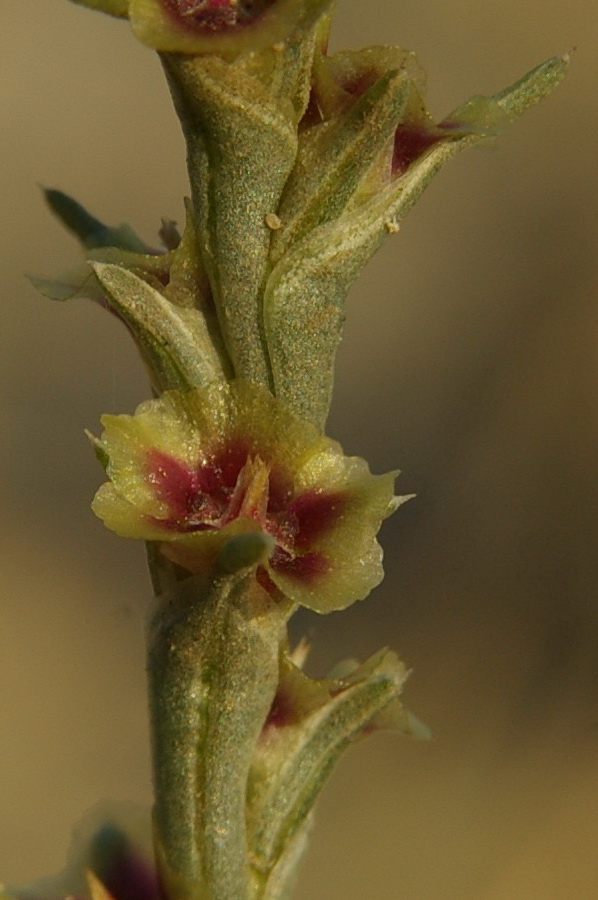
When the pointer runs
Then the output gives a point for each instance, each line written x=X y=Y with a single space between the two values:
x=234 y=482
x=214 y=15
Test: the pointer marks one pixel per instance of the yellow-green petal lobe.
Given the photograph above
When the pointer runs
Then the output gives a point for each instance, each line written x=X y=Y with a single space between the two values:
x=123 y=517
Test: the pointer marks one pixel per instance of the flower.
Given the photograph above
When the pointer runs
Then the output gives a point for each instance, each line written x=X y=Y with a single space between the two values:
x=193 y=471
x=226 y=27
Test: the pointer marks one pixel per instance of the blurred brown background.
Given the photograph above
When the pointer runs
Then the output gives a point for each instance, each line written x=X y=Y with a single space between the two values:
x=470 y=360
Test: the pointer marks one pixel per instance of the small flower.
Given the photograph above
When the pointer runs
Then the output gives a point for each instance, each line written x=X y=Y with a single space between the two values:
x=221 y=26
x=194 y=470
x=344 y=79
x=226 y=27
x=299 y=697
x=367 y=150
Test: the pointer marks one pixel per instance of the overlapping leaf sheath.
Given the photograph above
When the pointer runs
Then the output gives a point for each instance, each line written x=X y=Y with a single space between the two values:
x=240 y=120
x=359 y=171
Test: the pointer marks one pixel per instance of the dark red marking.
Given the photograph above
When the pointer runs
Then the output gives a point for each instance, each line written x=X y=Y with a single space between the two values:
x=313 y=114
x=309 y=567
x=410 y=142
x=212 y=495
x=202 y=16
x=312 y=514
x=279 y=491
x=281 y=712
x=223 y=468
x=264 y=580
x=163 y=276
x=174 y=483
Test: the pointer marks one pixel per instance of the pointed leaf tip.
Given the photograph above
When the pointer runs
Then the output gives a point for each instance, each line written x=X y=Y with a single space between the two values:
x=171 y=339
x=533 y=86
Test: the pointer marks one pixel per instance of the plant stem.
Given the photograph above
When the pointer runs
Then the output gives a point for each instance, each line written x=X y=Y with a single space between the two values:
x=213 y=660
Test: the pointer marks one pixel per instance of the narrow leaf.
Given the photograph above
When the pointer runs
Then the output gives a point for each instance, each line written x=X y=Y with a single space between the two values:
x=334 y=158
x=89 y=230
x=174 y=341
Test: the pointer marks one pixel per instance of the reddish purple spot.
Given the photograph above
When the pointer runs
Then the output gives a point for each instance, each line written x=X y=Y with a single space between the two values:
x=224 y=467
x=163 y=276
x=279 y=491
x=264 y=580
x=175 y=484
x=411 y=141
x=214 y=15
x=202 y=15
x=312 y=514
x=212 y=494
x=309 y=567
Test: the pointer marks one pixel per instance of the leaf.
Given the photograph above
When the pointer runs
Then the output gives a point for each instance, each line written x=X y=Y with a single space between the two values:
x=336 y=156
x=173 y=340
x=89 y=230
x=242 y=145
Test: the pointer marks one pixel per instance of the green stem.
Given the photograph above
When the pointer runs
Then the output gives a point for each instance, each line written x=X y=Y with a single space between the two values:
x=213 y=671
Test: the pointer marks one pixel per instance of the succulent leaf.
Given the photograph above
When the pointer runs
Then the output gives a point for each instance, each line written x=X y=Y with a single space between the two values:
x=173 y=340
